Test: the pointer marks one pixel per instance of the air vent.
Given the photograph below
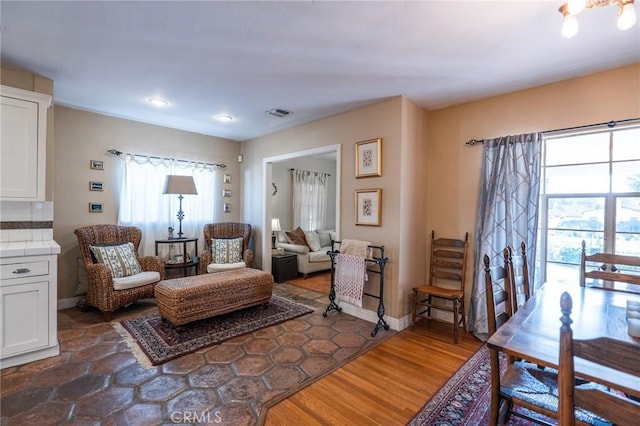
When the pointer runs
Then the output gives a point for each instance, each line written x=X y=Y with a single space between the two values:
x=278 y=112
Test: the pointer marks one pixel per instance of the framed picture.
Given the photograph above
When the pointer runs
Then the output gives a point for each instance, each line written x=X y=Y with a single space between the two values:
x=95 y=186
x=97 y=164
x=226 y=207
x=226 y=179
x=226 y=193
x=369 y=207
x=95 y=207
x=369 y=158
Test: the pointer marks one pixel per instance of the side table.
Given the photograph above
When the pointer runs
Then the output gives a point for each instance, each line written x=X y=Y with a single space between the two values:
x=284 y=267
x=193 y=262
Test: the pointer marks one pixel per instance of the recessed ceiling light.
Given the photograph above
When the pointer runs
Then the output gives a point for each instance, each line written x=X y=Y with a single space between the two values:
x=159 y=102
x=224 y=118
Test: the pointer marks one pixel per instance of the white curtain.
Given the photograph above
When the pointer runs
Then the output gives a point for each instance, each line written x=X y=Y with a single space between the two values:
x=309 y=200
x=142 y=203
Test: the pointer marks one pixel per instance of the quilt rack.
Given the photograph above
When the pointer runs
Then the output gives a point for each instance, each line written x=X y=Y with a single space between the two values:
x=375 y=265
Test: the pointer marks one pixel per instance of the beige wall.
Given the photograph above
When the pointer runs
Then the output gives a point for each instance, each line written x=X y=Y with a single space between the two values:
x=383 y=119
x=36 y=83
x=84 y=136
x=453 y=169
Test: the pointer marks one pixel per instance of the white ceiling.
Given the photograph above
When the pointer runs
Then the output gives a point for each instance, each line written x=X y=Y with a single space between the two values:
x=315 y=58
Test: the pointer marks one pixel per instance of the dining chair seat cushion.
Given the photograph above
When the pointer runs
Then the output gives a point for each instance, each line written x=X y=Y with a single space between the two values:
x=220 y=267
x=531 y=384
x=136 y=280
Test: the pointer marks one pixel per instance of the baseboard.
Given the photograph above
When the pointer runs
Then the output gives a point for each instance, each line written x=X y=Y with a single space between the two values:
x=68 y=303
x=371 y=316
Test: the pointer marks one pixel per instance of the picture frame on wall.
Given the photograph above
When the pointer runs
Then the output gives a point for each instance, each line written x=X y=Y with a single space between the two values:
x=96 y=164
x=369 y=207
x=226 y=193
x=96 y=208
x=226 y=179
x=96 y=186
x=226 y=207
x=369 y=158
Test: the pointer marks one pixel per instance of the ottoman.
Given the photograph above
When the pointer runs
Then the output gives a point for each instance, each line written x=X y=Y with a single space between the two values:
x=183 y=300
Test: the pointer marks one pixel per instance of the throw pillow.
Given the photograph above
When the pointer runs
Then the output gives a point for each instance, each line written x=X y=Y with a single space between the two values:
x=313 y=241
x=281 y=237
x=226 y=250
x=297 y=237
x=121 y=259
x=325 y=238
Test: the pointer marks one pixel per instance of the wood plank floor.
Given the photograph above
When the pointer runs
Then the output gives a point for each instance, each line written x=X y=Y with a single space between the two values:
x=385 y=386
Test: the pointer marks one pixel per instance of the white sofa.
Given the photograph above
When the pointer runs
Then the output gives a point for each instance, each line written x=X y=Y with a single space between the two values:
x=309 y=259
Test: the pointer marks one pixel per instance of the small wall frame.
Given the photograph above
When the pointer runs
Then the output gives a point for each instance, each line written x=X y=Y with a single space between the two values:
x=96 y=208
x=226 y=179
x=226 y=193
x=96 y=164
x=96 y=186
x=369 y=207
x=226 y=207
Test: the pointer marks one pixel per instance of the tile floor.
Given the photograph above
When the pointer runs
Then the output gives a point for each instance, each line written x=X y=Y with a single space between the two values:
x=96 y=380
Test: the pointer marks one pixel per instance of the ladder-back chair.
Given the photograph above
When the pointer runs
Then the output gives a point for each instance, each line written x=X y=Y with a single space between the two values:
x=447 y=267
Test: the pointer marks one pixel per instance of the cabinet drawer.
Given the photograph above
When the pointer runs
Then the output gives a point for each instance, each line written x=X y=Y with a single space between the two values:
x=24 y=269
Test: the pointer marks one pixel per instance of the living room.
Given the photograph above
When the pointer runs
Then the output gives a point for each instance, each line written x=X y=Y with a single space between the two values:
x=429 y=181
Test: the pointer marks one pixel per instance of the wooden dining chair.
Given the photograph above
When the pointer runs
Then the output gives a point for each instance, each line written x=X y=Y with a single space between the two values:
x=522 y=383
x=447 y=271
x=604 y=351
x=518 y=274
x=615 y=272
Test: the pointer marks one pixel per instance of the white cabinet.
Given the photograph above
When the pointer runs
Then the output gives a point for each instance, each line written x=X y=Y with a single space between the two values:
x=28 y=302
x=23 y=137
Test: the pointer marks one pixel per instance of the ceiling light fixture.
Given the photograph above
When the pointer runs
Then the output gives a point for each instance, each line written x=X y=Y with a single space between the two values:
x=159 y=102
x=224 y=118
x=626 y=14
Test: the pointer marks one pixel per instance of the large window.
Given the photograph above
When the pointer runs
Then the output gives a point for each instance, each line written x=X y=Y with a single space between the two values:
x=590 y=192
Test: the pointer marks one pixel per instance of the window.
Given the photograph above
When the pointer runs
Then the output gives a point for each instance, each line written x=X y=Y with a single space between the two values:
x=590 y=191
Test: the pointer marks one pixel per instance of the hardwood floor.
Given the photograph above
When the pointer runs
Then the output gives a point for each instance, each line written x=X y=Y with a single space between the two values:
x=385 y=386
x=317 y=281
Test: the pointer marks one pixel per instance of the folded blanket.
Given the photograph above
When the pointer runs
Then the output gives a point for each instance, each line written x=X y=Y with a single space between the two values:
x=350 y=278
x=355 y=248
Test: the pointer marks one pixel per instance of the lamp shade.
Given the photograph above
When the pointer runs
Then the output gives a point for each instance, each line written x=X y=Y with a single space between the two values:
x=275 y=224
x=175 y=184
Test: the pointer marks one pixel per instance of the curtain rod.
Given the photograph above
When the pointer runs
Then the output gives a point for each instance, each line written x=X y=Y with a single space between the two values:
x=610 y=124
x=117 y=153
x=308 y=171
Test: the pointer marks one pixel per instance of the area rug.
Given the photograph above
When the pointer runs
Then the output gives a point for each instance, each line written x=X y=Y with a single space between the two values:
x=466 y=397
x=161 y=342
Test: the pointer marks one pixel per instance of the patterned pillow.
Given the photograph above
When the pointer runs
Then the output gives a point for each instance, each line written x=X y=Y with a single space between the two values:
x=297 y=237
x=121 y=259
x=226 y=250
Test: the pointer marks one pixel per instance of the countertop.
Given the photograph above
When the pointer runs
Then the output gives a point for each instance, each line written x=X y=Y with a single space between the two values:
x=28 y=248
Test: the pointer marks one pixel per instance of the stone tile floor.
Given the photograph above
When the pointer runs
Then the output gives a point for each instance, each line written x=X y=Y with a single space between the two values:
x=96 y=380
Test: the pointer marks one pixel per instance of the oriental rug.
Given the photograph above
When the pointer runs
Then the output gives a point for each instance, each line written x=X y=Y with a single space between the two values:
x=466 y=397
x=160 y=341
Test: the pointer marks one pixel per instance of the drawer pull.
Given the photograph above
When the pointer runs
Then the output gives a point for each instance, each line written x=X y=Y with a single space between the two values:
x=22 y=271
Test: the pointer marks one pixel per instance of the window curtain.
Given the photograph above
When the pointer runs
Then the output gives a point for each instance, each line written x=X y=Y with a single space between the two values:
x=142 y=203
x=507 y=211
x=309 y=200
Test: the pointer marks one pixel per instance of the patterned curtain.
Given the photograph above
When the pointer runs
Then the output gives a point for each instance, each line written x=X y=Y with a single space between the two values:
x=309 y=200
x=507 y=211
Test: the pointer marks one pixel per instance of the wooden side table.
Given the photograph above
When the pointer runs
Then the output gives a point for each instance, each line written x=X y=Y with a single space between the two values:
x=182 y=265
x=284 y=267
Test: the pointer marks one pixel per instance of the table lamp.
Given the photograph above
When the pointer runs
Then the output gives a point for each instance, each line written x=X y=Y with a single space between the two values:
x=275 y=226
x=175 y=184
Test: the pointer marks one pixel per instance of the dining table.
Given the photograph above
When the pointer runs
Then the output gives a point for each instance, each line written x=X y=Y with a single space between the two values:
x=533 y=332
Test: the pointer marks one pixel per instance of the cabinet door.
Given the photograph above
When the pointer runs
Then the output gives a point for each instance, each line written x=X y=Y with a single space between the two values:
x=19 y=149
x=24 y=317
